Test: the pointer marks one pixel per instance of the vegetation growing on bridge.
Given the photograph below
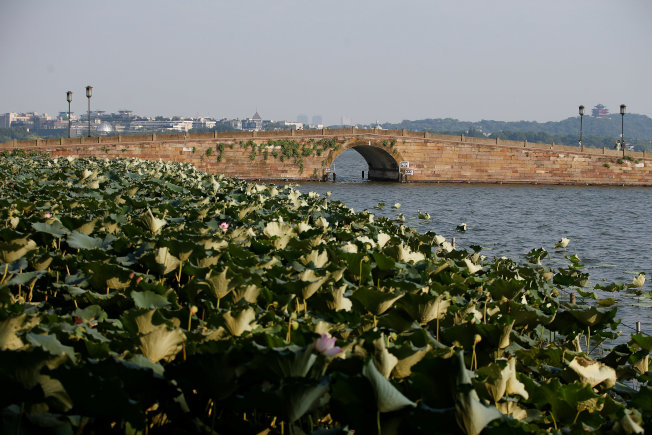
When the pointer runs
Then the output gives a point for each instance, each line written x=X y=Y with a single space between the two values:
x=287 y=149
x=149 y=296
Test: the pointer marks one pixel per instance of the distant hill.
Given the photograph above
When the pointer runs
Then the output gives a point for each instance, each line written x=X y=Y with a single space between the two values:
x=596 y=131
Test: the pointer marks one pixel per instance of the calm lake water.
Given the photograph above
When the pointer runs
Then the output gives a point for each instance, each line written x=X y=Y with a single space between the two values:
x=610 y=229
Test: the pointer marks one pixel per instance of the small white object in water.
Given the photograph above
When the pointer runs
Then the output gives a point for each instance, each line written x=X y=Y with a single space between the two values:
x=562 y=243
x=639 y=280
x=461 y=227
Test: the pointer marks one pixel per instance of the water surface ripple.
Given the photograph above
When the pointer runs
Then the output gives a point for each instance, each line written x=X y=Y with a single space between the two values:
x=610 y=229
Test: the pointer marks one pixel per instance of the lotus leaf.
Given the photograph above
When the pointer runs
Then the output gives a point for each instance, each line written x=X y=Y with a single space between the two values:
x=471 y=414
x=376 y=301
x=9 y=340
x=383 y=359
x=149 y=300
x=241 y=323
x=162 y=343
x=592 y=372
x=51 y=344
x=388 y=398
x=338 y=301
x=14 y=249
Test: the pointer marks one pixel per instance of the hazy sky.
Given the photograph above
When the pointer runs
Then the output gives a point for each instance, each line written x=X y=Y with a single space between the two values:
x=365 y=60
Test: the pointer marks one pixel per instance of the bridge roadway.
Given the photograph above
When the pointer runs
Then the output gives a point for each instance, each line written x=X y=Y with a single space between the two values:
x=392 y=155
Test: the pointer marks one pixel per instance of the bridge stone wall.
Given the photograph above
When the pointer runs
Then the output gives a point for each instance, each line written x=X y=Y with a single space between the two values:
x=432 y=157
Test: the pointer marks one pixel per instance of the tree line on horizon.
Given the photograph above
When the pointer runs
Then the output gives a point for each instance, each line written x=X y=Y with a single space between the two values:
x=597 y=132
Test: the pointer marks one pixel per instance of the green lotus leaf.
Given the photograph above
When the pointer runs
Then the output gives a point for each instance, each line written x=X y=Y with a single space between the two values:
x=502 y=379
x=302 y=396
x=338 y=301
x=41 y=262
x=164 y=261
x=149 y=300
x=162 y=343
x=24 y=278
x=312 y=286
x=293 y=361
x=55 y=229
x=526 y=315
x=17 y=248
x=594 y=317
x=645 y=342
x=78 y=240
x=143 y=361
x=9 y=340
x=54 y=391
x=471 y=414
x=425 y=308
x=104 y=276
x=241 y=323
x=249 y=293
x=383 y=359
x=51 y=344
x=218 y=284
x=376 y=301
x=316 y=258
x=384 y=262
x=152 y=223
x=562 y=399
x=388 y=398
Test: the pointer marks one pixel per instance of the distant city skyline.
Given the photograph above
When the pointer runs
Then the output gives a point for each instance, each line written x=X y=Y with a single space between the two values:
x=363 y=61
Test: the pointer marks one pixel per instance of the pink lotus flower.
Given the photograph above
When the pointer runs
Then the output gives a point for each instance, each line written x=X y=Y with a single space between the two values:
x=47 y=215
x=326 y=345
x=224 y=226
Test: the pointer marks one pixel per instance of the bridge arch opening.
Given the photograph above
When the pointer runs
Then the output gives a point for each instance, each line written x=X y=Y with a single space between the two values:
x=377 y=163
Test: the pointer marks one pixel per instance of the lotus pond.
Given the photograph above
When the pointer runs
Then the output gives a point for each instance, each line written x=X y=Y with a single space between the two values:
x=143 y=297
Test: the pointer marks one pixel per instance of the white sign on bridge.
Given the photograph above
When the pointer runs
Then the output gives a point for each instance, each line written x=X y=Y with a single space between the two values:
x=405 y=165
x=409 y=172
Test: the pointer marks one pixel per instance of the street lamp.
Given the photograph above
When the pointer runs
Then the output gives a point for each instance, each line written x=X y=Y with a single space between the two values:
x=622 y=127
x=581 y=118
x=69 y=98
x=89 y=94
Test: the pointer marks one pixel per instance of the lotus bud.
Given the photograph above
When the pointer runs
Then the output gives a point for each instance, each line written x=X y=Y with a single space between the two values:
x=224 y=227
x=477 y=338
x=47 y=215
x=193 y=310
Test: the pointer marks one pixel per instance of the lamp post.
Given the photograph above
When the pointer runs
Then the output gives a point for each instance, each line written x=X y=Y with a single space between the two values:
x=581 y=118
x=89 y=94
x=69 y=98
x=623 y=108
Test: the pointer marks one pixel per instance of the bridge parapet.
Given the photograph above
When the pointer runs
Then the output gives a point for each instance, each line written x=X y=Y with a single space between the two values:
x=432 y=156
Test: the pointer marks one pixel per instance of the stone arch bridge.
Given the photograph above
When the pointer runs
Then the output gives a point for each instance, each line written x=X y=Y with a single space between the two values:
x=392 y=155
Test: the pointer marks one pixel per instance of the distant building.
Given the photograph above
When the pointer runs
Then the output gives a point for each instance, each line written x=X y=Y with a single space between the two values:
x=253 y=124
x=317 y=120
x=294 y=125
x=600 y=111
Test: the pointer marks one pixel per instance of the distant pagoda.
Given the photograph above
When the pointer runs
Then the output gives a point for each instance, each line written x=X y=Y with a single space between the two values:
x=600 y=111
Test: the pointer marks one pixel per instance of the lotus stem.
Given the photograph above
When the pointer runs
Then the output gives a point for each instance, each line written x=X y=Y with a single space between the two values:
x=576 y=415
x=184 y=350
x=287 y=336
x=179 y=274
x=361 y=261
x=554 y=422
x=107 y=289
x=378 y=422
x=282 y=427
x=31 y=288
x=4 y=275
x=588 y=339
